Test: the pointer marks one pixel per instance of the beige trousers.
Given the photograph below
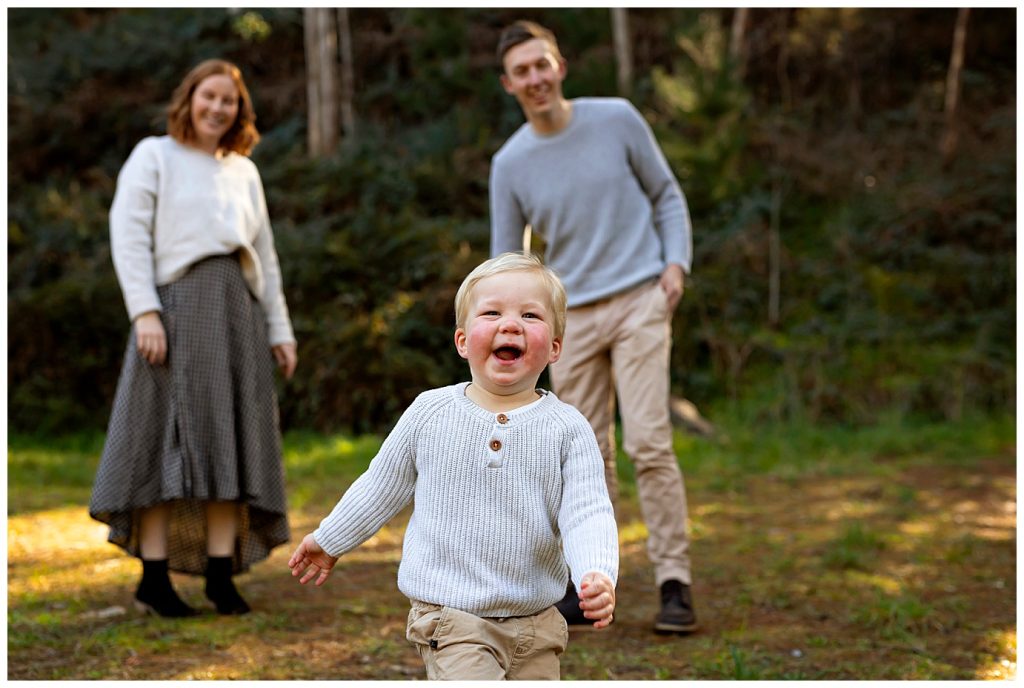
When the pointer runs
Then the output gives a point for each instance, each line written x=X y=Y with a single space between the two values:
x=621 y=345
x=457 y=645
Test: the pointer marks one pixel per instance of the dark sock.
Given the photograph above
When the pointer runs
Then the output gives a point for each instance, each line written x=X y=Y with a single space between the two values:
x=155 y=590
x=220 y=589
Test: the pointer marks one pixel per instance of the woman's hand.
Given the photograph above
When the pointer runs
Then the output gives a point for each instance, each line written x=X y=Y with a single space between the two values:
x=150 y=338
x=286 y=358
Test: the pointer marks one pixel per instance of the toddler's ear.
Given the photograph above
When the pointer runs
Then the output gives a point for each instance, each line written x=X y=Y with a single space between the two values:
x=556 y=349
x=460 y=342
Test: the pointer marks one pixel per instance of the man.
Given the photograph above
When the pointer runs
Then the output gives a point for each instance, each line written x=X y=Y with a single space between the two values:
x=588 y=176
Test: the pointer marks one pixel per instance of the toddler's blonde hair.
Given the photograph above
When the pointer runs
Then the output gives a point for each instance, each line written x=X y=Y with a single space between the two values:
x=513 y=262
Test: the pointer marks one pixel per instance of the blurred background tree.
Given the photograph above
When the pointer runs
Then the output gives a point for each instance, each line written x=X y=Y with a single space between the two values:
x=846 y=265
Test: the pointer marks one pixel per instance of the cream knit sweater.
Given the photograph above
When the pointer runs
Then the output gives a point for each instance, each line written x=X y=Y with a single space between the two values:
x=175 y=205
x=502 y=503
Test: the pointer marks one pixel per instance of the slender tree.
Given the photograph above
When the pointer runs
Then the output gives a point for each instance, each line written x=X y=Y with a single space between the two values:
x=623 y=50
x=737 y=40
x=956 y=63
x=775 y=252
x=321 y=80
x=348 y=114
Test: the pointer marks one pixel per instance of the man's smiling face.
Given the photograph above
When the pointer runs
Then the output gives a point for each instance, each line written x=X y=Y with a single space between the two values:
x=534 y=75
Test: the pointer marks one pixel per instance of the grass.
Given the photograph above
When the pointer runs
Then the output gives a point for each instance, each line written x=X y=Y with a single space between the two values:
x=854 y=548
x=885 y=552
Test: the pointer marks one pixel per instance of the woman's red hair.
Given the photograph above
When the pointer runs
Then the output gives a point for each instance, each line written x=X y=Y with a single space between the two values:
x=242 y=136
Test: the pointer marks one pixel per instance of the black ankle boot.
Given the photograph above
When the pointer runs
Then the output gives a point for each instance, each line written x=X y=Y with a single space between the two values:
x=676 y=615
x=221 y=590
x=155 y=594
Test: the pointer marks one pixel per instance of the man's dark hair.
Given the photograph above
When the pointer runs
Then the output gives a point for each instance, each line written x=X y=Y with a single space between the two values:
x=520 y=32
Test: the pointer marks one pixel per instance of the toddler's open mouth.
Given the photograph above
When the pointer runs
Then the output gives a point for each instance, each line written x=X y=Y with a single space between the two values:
x=508 y=353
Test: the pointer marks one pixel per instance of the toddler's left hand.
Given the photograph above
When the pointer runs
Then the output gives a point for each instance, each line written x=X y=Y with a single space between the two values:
x=597 y=598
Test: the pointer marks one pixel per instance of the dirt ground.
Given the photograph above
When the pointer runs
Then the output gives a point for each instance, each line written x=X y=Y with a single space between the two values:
x=908 y=573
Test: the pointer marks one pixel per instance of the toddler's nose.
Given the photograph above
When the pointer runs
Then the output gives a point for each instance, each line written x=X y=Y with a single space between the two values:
x=511 y=325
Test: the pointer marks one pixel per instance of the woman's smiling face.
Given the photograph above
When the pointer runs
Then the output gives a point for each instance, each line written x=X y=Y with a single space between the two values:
x=214 y=109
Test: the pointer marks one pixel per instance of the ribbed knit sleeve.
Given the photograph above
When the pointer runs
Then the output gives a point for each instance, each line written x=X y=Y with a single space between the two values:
x=586 y=519
x=377 y=495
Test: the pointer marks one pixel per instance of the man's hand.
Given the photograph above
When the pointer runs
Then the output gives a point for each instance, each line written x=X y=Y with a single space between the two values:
x=150 y=338
x=671 y=282
x=312 y=559
x=597 y=598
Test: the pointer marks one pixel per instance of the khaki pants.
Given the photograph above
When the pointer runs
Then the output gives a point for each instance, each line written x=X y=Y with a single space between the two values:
x=457 y=645
x=622 y=345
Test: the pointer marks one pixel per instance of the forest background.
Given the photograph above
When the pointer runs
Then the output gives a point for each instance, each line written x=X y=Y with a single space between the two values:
x=848 y=329
x=853 y=207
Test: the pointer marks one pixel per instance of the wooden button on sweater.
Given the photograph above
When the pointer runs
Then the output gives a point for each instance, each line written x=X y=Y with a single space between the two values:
x=495 y=445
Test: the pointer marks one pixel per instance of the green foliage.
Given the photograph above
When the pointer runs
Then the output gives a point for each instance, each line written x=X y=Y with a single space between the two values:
x=897 y=271
x=897 y=274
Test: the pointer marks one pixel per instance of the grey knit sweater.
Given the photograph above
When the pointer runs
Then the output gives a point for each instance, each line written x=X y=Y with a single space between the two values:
x=502 y=502
x=601 y=194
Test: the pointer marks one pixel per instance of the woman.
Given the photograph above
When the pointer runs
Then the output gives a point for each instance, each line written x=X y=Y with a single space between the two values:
x=191 y=477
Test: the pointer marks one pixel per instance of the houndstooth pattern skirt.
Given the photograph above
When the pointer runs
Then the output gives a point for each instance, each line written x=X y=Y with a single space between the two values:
x=202 y=427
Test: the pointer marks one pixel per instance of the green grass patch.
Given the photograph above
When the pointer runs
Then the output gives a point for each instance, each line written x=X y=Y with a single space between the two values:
x=319 y=468
x=895 y=617
x=48 y=472
x=820 y=553
x=855 y=548
x=748 y=445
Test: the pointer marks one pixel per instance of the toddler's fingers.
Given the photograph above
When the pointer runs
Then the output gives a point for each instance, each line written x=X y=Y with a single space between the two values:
x=312 y=571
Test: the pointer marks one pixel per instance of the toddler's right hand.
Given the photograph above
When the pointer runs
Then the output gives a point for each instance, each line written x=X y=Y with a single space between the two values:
x=312 y=559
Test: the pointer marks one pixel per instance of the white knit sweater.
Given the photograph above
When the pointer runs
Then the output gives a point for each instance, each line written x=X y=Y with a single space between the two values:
x=175 y=205
x=500 y=508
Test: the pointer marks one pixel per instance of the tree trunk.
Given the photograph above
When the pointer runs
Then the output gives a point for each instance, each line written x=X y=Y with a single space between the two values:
x=956 y=63
x=321 y=80
x=623 y=50
x=782 y=62
x=737 y=42
x=774 y=254
x=348 y=113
